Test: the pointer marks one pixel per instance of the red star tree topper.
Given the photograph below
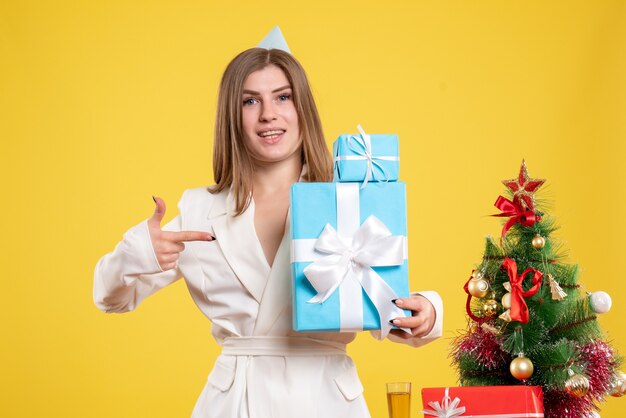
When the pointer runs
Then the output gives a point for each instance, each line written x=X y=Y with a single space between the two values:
x=524 y=188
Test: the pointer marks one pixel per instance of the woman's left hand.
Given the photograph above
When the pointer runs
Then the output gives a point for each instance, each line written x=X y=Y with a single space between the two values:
x=422 y=320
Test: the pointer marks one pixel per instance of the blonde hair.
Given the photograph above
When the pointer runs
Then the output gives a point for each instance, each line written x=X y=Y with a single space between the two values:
x=232 y=165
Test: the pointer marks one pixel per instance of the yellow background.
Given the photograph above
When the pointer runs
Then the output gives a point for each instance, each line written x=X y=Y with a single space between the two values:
x=104 y=103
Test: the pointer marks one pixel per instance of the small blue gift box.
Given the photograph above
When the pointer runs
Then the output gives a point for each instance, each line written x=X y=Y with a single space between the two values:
x=348 y=254
x=363 y=157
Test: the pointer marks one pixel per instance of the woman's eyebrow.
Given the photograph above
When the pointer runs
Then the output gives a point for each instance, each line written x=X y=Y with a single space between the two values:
x=281 y=88
x=273 y=91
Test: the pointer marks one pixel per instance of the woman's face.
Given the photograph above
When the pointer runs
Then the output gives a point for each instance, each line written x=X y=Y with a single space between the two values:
x=269 y=117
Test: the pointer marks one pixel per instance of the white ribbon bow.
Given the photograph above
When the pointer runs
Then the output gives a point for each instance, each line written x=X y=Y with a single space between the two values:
x=364 y=152
x=372 y=245
x=447 y=408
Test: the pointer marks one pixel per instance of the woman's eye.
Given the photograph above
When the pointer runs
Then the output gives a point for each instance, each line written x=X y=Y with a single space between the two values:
x=284 y=97
x=249 y=101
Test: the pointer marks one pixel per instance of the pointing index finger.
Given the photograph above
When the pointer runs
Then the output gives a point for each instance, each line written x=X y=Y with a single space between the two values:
x=184 y=236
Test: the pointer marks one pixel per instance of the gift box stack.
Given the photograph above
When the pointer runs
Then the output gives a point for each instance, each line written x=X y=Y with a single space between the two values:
x=349 y=253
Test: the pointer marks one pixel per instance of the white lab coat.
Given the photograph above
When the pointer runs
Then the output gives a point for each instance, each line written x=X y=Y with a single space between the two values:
x=266 y=370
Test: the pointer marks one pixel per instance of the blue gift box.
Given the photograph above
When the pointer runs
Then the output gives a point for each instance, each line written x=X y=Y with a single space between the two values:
x=359 y=157
x=345 y=207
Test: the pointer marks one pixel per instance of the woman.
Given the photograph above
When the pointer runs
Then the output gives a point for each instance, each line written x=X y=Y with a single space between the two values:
x=231 y=244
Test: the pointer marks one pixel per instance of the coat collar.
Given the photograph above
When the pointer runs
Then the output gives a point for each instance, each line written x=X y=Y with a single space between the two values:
x=221 y=203
x=236 y=236
x=277 y=295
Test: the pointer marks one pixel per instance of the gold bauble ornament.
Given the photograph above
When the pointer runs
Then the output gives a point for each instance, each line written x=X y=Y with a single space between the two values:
x=538 y=242
x=521 y=367
x=490 y=307
x=506 y=301
x=478 y=287
x=618 y=387
x=577 y=384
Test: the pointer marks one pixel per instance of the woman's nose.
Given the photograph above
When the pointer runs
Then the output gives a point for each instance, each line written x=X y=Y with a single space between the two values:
x=267 y=112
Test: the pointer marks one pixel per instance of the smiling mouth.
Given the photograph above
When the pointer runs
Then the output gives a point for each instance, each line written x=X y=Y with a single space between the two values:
x=271 y=135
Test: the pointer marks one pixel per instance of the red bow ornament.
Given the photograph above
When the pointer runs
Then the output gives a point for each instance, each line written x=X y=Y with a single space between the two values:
x=519 y=309
x=517 y=213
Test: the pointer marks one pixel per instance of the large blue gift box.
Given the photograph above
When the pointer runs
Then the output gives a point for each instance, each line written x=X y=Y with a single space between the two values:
x=366 y=157
x=352 y=241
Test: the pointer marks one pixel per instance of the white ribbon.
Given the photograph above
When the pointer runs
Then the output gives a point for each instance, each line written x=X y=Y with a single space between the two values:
x=364 y=152
x=447 y=408
x=372 y=245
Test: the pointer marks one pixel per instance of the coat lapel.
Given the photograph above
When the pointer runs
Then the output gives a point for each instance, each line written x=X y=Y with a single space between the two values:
x=236 y=237
x=277 y=295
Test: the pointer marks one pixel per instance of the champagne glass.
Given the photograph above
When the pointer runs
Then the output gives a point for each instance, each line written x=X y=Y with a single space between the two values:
x=399 y=399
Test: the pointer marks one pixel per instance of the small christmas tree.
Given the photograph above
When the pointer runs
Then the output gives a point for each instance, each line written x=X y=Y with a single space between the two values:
x=529 y=321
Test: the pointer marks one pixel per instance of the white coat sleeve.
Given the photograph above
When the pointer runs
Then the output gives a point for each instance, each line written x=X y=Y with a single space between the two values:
x=434 y=333
x=131 y=273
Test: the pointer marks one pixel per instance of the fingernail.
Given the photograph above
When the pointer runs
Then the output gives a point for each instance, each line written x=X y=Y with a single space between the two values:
x=398 y=302
x=153 y=198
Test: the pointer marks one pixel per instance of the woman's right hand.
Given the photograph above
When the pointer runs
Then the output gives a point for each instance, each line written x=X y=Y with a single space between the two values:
x=169 y=244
